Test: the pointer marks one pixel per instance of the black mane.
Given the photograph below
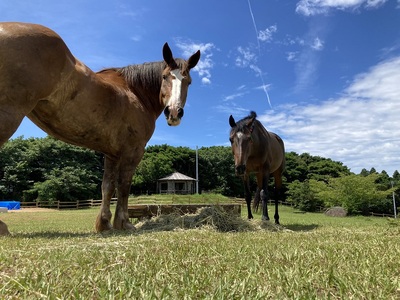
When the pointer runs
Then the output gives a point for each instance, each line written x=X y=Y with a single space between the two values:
x=243 y=122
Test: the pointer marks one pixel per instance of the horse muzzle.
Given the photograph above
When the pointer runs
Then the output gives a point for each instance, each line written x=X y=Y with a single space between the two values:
x=240 y=170
x=173 y=115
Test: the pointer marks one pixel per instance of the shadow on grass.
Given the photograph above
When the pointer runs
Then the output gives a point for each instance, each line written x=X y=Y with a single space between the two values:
x=51 y=235
x=301 y=227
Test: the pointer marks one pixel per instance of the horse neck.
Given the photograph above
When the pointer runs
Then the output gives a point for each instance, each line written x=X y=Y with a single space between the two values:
x=144 y=81
x=260 y=135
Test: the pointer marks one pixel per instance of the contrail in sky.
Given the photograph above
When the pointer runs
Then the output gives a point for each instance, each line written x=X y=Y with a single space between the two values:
x=259 y=52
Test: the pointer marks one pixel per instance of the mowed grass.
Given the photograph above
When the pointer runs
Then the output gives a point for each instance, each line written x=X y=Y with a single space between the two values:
x=57 y=255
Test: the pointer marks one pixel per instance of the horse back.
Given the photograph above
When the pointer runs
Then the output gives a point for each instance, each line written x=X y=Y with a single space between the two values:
x=269 y=154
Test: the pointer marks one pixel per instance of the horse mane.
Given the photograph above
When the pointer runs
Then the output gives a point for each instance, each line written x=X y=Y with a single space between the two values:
x=144 y=75
x=240 y=125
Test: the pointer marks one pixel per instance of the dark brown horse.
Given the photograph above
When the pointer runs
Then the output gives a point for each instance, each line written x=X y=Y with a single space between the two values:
x=259 y=151
x=113 y=111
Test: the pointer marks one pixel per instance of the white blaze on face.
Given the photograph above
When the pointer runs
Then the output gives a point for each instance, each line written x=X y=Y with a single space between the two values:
x=239 y=148
x=175 y=100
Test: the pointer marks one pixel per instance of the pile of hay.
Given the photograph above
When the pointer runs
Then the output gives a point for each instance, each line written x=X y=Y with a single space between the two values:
x=212 y=217
x=336 y=211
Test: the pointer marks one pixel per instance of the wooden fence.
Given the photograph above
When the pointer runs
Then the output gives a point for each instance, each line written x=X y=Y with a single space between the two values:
x=78 y=204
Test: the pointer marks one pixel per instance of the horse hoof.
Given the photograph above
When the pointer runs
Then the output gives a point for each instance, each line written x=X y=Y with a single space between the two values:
x=264 y=218
x=129 y=226
x=103 y=225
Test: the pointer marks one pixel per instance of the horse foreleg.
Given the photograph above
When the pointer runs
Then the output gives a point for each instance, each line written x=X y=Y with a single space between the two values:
x=10 y=118
x=103 y=221
x=278 y=188
x=127 y=168
x=121 y=218
x=247 y=193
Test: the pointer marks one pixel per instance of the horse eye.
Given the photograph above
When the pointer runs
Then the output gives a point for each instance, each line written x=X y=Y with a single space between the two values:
x=164 y=76
x=231 y=140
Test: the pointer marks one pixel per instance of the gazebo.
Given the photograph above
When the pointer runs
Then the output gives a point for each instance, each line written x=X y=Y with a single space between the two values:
x=176 y=183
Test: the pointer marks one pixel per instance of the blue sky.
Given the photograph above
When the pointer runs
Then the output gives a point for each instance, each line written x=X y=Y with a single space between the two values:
x=323 y=74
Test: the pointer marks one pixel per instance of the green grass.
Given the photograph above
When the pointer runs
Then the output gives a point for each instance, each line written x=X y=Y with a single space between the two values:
x=57 y=255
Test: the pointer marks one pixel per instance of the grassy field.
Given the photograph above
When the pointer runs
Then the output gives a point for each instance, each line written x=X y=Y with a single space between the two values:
x=57 y=255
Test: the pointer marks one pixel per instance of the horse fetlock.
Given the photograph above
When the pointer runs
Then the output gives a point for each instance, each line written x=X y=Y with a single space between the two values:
x=265 y=218
x=102 y=224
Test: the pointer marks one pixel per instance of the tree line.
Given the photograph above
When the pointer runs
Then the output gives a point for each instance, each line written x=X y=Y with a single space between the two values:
x=46 y=169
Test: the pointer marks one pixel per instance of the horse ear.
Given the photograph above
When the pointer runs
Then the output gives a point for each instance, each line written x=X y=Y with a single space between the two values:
x=232 y=121
x=193 y=60
x=167 y=54
x=251 y=121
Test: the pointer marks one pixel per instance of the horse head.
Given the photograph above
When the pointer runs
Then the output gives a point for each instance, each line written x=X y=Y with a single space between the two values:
x=175 y=84
x=241 y=141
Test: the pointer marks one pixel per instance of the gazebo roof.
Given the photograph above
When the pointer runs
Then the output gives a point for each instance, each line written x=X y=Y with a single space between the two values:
x=176 y=176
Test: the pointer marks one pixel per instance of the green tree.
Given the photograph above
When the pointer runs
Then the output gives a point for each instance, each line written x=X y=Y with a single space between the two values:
x=154 y=165
x=25 y=162
x=217 y=171
x=66 y=184
x=358 y=194
x=303 y=196
x=296 y=167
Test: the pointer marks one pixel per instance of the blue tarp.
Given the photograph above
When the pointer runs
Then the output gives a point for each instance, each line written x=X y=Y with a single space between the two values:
x=10 y=204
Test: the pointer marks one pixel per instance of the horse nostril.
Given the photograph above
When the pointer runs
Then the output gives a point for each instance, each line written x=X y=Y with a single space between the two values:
x=180 y=113
x=166 y=112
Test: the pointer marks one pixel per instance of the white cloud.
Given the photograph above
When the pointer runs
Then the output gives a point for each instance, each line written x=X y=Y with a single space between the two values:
x=291 y=56
x=306 y=69
x=317 y=44
x=266 y=35
x=205 y=80
x=315 y=7
x=245 y=57
x=360 y=129
x=233 y=96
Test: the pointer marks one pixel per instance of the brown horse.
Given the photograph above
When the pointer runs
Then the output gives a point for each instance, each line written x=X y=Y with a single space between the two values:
x=113 y=111
x=259 y=151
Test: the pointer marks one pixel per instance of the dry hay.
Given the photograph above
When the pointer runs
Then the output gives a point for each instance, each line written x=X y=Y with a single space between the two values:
x=3 y=229
x=336 y=211
x=213 y=217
